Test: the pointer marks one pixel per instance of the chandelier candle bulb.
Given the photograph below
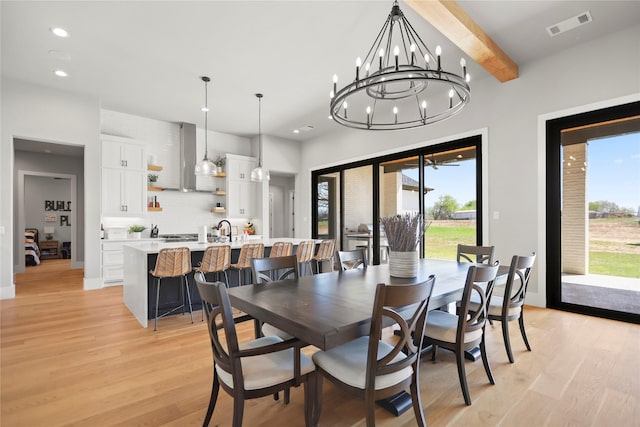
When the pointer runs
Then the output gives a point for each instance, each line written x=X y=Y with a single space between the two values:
x=424 y=110
x=395 y=113
x=358 y=65
x=335 y=83
x=345 y=105
x=438 y=53
x=366 y=68
x=450 y=98
x=412 y=48
x=368 y=116
x=381 y=53
x=396 y=54
x=463 y=64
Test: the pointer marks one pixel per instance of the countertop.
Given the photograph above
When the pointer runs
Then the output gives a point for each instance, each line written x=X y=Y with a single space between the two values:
x=153 y=247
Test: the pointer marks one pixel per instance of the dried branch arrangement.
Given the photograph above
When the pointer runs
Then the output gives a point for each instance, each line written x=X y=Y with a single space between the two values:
x=403 y=231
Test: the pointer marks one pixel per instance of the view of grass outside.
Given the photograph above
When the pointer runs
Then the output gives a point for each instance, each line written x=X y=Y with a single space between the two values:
x=442 y=237
x=614 y=246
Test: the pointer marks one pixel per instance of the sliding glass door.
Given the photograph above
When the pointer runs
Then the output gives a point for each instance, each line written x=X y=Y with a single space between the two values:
x=443 y=182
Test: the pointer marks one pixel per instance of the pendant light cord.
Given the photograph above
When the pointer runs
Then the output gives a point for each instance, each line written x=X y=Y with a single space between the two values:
x=259 y=96
x=206 y=115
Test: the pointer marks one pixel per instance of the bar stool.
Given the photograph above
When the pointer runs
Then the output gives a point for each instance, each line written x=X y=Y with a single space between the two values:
x=172 y=262
x=304 y=254
x=281 y=249
x=325 y=253
x=247 y=252
x=216 y=259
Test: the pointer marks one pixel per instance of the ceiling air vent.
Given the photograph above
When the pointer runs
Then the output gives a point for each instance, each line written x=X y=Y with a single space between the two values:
x=569 y=24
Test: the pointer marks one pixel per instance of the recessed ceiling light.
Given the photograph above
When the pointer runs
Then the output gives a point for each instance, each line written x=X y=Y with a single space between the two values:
x=60 y=32
x=204 y=109
x=60 y=73
x=296 y=131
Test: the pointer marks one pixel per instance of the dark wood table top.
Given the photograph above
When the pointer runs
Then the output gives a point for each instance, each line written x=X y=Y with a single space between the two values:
x=332 y=308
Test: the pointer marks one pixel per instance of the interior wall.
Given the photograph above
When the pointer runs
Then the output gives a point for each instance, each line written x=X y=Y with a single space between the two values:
x=44 y=114
x=510 y=111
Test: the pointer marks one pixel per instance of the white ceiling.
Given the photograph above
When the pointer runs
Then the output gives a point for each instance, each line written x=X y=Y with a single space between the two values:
x=146 y=57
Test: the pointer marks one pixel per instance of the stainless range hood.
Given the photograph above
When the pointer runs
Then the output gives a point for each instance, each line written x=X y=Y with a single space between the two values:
x=187 y=158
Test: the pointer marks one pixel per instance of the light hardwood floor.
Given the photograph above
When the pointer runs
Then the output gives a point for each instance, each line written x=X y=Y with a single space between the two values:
x=74 y=357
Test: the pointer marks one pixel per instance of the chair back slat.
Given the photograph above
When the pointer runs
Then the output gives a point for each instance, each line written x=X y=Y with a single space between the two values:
x=219 y=316
x=476 y=254
x=281 y=249
x=407 y=306
x=264 y=269
x=249 y=251
x=215 y=259
x=519 y=271
x=304 y=252
x=480 y=280
x=325 y=250
x=172 y=262
x=349 y=260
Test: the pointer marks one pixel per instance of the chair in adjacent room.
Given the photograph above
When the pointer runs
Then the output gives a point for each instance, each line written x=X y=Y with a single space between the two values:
x=476 y=254
x=373 y=369
x=281 y=249
x=247 y=252
x=325 y=254
x=216 y=259
x=465 y=330
x=350 y=260
x=254 y=369
x=510 y=306
x=304 y=253
x=172 y=262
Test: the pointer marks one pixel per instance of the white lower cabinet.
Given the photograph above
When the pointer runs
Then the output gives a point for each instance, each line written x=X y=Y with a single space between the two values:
x=112 y=262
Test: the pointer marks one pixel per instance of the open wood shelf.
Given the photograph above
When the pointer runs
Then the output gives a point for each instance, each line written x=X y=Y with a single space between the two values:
x=154 y=188
x=220 y=193
x=154 y=209
x=220 y=175
x=218 y=210
x=154 y=168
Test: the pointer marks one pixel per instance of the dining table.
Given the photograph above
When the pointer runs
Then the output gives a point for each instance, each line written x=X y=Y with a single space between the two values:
x=332 y=308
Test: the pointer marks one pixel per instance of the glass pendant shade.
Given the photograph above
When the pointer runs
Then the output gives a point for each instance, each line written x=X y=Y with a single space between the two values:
x=258 y=174
x=205 y=166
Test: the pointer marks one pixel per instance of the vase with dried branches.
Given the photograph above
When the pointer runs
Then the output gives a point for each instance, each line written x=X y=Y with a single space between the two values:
x=404 y=232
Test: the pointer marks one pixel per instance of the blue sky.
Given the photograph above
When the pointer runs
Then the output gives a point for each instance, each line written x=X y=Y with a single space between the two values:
x=613 y=172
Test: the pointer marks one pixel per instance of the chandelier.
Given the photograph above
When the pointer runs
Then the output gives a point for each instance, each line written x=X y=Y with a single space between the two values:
x=205 y=167
x=401 y=85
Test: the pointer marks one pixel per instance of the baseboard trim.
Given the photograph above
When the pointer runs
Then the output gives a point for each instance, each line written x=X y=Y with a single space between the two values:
x=92 y=283
x=8 y=292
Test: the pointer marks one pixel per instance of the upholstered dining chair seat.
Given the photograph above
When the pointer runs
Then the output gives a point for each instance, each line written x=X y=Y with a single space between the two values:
x=443 y=326
x=348 y=362
x=266 y=370
x=270 y=330
x=495 y=306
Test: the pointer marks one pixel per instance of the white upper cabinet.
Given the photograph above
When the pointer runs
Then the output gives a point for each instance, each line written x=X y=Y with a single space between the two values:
x=122 y=155
x=241 y=191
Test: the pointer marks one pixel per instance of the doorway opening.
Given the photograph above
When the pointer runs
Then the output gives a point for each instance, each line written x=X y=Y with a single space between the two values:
x=282 y=205
x=593 y=204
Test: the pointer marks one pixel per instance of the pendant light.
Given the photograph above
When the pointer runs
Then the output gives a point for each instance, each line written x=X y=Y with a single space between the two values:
x=205 y=167
x=258 y=174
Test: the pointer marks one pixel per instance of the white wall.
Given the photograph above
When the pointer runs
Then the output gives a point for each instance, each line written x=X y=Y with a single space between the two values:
x=601 y=70
x=43 y=114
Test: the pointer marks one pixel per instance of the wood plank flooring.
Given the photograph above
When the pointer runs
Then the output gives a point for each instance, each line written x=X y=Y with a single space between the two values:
x=72 y=358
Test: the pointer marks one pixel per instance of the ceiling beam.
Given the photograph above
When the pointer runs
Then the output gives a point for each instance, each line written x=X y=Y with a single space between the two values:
x=452 y=21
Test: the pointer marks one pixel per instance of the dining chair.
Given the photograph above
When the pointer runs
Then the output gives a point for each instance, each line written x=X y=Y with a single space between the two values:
x=510 y=306
x=372 y=368
x=247 y=252
x=354 y=259
x=464 y=330
x=304 y=253
x=281 y=249
x=254 y=369
x=475 y=254
x=172 y=262
x=324 y=254
x=216 y=259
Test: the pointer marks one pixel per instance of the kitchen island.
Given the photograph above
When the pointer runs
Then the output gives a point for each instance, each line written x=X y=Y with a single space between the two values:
x=140 y=258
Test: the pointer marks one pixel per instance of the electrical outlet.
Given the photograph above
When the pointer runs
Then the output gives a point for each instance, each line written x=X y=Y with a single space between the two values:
x=496 y=215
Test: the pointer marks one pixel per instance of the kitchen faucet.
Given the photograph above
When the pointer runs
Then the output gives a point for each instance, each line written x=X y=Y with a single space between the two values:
x=228 y=223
